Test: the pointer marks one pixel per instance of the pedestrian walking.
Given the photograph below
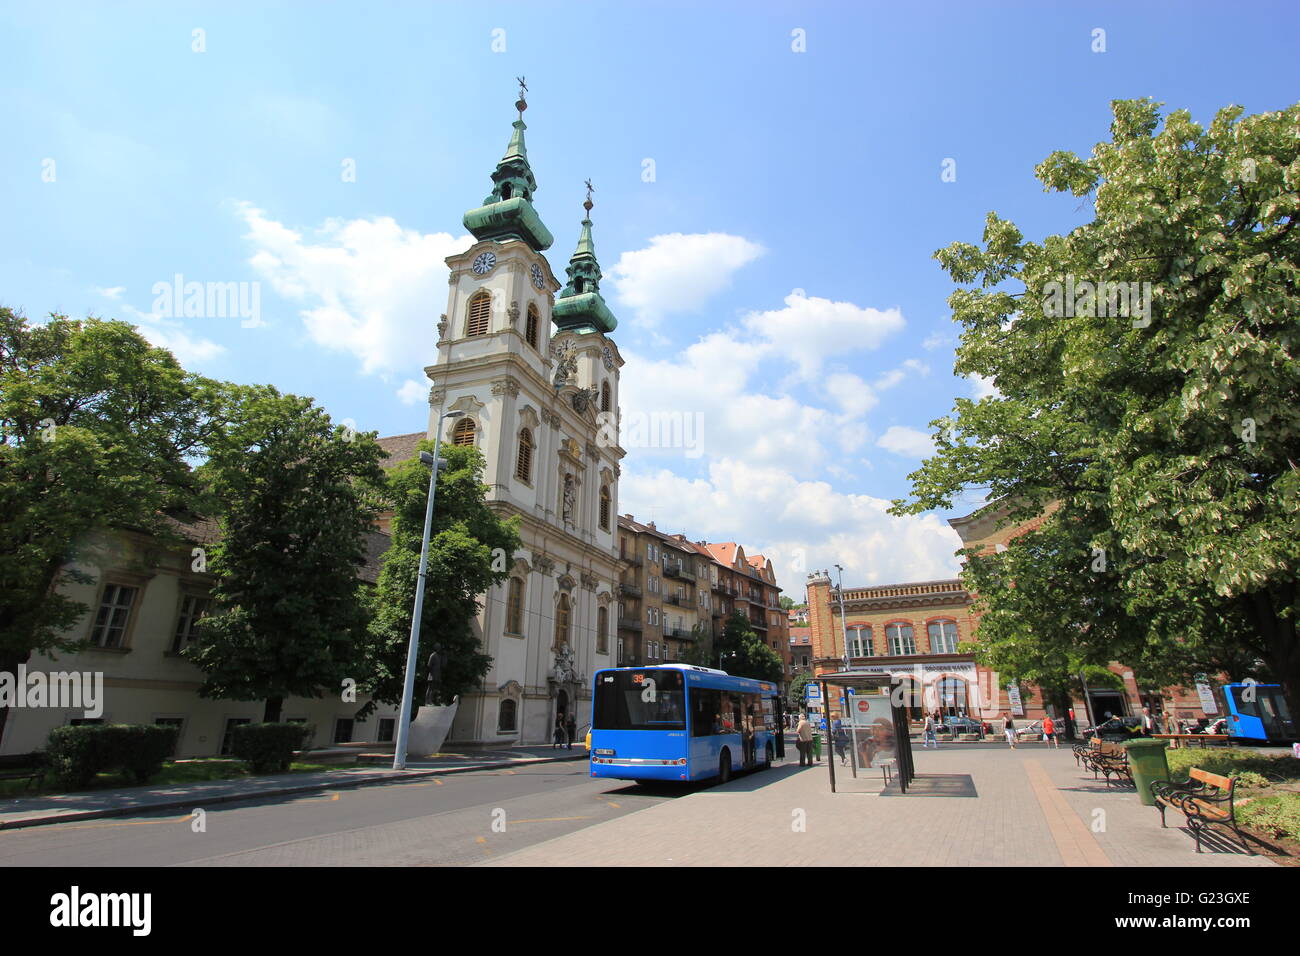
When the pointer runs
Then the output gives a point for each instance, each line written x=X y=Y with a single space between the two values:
x=804 y=733
x=931 y=733
x=1049 y=732
x=1148 y=722
x=571 y=728
x=1010 y=730
x=557 y=738
x=841 y=742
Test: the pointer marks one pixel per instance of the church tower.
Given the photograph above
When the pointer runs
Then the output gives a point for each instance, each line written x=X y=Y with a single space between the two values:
x=530 y=364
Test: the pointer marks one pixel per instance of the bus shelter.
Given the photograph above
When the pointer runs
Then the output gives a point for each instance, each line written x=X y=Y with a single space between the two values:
x=875 y=723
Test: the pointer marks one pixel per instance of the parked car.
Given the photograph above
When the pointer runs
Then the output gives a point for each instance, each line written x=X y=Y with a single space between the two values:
x=1116 y=729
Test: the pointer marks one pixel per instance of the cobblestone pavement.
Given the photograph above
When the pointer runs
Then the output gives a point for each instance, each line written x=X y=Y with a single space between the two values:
x=968 y=807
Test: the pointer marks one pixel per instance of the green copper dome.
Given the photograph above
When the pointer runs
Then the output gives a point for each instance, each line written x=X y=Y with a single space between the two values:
x=579 y=306
x=507 y=212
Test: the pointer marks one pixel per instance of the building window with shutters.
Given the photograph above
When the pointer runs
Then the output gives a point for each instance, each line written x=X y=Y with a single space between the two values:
x=465 y=432
x=602 y=630
x=524 y=459
x=604 y=507
x=604 y=396
x=478 y=319
x=530 y=325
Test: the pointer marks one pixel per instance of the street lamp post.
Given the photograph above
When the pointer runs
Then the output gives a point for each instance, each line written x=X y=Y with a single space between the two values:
x=844 y=627
x=412 y=650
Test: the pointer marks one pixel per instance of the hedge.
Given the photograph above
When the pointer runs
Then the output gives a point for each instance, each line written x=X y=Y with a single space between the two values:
x=77 y=754
x=269 y=748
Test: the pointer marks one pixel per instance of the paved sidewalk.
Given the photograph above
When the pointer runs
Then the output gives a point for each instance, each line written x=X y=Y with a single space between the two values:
x=63 y=808
x=968 y=807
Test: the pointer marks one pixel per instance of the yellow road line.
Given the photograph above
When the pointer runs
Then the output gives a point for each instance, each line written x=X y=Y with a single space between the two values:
x=132 y=823
x=1074 y=841
x=549 y=819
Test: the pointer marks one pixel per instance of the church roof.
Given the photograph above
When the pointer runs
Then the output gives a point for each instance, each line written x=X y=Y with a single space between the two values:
x=399 y=448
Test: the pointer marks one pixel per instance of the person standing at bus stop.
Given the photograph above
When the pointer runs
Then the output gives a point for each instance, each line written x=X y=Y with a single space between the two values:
x=804 y=733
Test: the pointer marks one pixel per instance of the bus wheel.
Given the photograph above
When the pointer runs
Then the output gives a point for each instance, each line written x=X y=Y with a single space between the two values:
x=767 y=758
x=724 y=766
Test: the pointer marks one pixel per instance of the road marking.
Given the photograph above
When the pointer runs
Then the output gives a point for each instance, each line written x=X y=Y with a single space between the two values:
x=614 y=805
x=133 y=823
x=548 y=820
x=1074 y=841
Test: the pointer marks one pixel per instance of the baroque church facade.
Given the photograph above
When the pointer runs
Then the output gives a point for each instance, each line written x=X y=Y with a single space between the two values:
x=527 y=360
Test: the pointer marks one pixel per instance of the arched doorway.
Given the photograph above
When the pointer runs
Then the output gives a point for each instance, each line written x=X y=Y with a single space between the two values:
x=910 y=697
x=561 y=709
x=954 y=699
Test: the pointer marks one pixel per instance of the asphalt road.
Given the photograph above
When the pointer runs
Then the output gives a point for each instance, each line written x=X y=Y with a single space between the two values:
x=457 y=819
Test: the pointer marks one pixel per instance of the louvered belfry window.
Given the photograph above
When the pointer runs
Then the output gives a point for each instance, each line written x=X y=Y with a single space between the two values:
x=524 y=464
x=480 y=314
x=463 y=433
x=531 y=329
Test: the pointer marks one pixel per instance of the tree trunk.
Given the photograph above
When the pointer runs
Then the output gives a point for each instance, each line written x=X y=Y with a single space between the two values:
x=273 y=707
x=9 y=662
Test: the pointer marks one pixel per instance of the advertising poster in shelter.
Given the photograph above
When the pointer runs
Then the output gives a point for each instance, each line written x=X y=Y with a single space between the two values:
x=873 y=729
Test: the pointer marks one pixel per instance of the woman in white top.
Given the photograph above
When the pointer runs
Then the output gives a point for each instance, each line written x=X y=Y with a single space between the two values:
x=1010 y=730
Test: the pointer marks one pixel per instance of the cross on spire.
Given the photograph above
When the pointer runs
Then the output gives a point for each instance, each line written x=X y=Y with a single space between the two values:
x=590 y=189
x=521 y=104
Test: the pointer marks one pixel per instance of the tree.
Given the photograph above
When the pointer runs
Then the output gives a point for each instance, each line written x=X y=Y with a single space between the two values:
x=296 y=496
x=795 y=697
x=95 y=428
x=470 y=550
x=742 y=653
x=1147 y=381
x=787 y=602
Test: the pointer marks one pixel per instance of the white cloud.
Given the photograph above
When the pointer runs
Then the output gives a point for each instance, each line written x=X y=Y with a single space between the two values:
x=165 y=333
x=854 y=395
x=679 y=273
x=810 y=329
x=367 y=286
x=113 y=293
x=800 y=525
x=982 y=387
x=935 y=341
x=412 y=392
x=908 y=442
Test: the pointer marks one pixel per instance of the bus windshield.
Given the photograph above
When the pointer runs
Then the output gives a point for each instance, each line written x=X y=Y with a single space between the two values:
x=649 y=699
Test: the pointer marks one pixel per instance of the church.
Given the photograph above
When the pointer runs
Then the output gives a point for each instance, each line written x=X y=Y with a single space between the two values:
x=527 y=372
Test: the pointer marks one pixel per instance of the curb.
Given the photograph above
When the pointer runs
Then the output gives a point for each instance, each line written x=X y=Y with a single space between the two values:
x=55 y=819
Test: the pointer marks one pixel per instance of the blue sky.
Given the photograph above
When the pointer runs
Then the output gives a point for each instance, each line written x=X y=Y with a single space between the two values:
x=774 y=171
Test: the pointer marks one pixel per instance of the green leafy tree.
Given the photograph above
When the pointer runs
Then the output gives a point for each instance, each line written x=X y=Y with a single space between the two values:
x=741 y=652
x=297 y=497
x=95 y=427
x=471 y=549
x=795 y=697
x=1161 y=411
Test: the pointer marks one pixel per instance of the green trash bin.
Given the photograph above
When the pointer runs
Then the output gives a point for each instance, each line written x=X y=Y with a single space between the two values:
x=817 y=746
x=1146 y=759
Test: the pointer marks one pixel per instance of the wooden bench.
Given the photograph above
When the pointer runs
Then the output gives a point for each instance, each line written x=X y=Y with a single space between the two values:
x=34 y=776
x=1106 y=758
x=1205 y=799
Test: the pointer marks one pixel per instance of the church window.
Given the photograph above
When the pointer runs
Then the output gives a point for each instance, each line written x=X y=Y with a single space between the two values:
x=604 y=507
x=562 y=621
x=463 y=433
x=602 y=630
x=604 y=396
x=524 y=461
x=531 y=326
x=506 y=716
x=480 y=313
x=505 y=190
x=515 y=607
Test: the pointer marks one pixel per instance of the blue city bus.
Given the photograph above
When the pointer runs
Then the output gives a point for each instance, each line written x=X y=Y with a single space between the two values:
x=680 y=722
x=1258 y=712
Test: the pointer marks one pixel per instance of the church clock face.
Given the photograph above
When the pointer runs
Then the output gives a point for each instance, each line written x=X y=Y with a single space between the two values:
x=539 y=279
x=484 y=263
x=608 y=358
